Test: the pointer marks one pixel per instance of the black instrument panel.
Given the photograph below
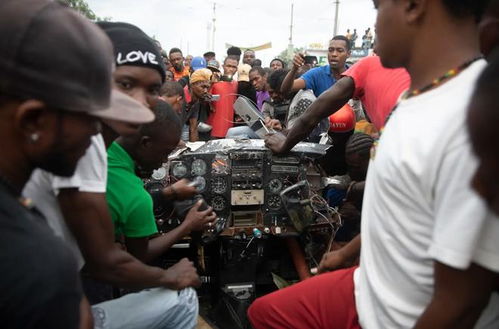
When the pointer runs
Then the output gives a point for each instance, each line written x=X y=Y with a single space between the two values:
x=243 y=184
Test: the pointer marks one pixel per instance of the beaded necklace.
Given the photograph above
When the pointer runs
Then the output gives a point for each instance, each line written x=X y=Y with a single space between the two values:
x=408 y=94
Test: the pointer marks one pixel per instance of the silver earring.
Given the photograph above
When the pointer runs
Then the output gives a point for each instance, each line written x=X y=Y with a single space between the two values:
x=34 y=137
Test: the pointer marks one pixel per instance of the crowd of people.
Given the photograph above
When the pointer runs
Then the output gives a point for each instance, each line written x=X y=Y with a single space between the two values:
x=87 y=110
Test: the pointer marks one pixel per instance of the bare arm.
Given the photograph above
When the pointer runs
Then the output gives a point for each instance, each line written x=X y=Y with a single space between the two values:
x=337 y=259
x=147 y=249
x=88 y=218
x=290 y=84
x=193 y=130
x=459 y=297
x=328 y=103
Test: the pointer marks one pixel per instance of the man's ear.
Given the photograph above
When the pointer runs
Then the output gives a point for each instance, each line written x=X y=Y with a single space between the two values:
x=31 y=119
x=415 y=10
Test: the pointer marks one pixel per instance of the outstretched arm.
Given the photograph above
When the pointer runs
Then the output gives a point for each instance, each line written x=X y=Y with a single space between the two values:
x=290 y=84
x=328 y=103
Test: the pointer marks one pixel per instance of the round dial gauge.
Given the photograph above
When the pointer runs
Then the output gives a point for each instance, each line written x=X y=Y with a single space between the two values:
x=275 y=186
x=198 y=167
x=274 y=202
x=220 y=165
x=200 y=183
x=179 y=169
x=159 y=173
x=218 y=203
x=218 y=185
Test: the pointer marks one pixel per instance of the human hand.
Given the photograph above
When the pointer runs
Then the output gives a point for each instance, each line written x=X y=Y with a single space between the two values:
x=274 y=124
x=275 y=142
x=298 y=60
x=196 y=220
x=181 y=190
x=331 y=261
x=181 y=275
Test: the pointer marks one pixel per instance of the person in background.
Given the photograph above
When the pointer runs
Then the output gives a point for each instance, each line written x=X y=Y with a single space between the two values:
x=234 y=52
x=277 y=64
x=354 y=38
x=209 y=56
x=197 y=94
x=245 y=87
x=214 y=66
x=348 y=35
x=258 y=78
x=320 y=79
x=169 y=76
x=348 y=198
x=178 y=69
x=172 y=92
x=222 y=116
x=188 y=61
x=249 y=57
x=257 y=62
x=197 y=63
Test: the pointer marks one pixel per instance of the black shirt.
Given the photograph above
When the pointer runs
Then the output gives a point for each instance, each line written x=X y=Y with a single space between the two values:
x=39 y=283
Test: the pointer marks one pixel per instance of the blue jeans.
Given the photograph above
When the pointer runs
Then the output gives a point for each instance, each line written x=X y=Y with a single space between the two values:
x=156 y=308
x=241 y=132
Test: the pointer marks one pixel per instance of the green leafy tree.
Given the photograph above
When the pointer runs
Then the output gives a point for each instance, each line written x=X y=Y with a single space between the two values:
x=82 y=7
x=287 y=57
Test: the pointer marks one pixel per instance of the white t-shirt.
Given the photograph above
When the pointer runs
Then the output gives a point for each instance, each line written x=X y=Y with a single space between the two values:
x=419 y=207
x=90 y=176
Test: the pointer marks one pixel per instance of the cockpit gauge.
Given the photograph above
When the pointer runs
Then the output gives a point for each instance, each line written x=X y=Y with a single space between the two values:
x=159 y=174
x=200 y=183
x=218 y=203
x=275 y=186
x=179 y=169
x=220 y=165
x=218 y=185
x=198 y=167
x=274 y=202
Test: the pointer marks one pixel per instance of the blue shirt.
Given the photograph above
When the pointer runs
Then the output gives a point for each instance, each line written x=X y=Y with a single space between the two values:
x=319 y=79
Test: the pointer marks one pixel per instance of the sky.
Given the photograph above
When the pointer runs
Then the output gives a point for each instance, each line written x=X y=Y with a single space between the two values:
x=184 y=23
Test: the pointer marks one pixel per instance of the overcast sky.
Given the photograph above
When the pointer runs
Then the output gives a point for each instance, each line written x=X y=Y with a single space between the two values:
x=183 y=23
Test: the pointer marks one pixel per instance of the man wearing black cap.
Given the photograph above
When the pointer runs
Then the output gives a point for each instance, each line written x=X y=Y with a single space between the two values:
x=55 y=69
x=79 y=205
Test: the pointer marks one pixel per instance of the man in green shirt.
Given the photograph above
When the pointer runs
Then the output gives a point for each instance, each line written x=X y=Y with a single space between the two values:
x=130 y=204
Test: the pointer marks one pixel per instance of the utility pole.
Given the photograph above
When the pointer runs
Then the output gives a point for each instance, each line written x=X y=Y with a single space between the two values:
x=208 y=35
x=337 y=3
x=290 y=46
x=214 y=26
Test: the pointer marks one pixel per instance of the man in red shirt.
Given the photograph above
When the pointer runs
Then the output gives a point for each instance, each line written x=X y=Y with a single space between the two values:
x=222 y=116
x=377 y=87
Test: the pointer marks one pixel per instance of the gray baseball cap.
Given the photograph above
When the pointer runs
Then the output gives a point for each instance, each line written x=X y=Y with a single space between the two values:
x=51 y=53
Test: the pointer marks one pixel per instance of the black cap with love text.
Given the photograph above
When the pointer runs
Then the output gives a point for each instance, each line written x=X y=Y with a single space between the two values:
x=133 y=47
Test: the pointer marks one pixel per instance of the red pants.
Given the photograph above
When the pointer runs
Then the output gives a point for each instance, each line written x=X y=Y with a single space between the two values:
x=325 y=301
